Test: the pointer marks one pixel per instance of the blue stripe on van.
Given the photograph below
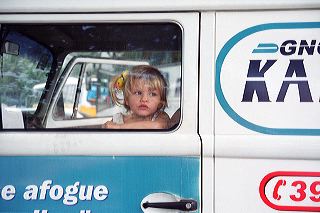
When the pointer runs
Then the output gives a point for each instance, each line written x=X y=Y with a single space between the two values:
x=127 y=179
x=266 y=48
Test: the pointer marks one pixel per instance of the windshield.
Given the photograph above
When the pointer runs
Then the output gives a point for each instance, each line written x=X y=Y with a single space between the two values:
x=22 y=71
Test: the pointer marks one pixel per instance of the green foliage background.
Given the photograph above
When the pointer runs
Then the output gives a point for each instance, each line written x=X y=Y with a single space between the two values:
x=18 y=77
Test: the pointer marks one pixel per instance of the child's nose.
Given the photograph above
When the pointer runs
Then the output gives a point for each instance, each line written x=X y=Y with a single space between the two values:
x=144 y=97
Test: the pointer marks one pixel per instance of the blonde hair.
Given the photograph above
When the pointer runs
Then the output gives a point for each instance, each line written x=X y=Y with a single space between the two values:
x=151 y=75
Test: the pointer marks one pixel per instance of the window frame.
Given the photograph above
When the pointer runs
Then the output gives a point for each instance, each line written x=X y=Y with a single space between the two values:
x=187 y=23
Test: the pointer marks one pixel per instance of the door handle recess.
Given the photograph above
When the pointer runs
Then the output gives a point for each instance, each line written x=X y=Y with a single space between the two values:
x=182 y=205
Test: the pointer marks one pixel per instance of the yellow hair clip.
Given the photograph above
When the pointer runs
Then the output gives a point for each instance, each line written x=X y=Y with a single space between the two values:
x=119 y=83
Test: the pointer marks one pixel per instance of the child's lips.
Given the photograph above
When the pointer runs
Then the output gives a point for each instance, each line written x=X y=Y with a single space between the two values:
x=143 y=107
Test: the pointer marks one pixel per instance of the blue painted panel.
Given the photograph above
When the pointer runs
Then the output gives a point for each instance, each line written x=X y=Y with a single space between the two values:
x=127 y=180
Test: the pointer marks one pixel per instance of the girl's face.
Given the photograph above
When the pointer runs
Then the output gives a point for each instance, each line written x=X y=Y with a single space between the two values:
x=144 y=100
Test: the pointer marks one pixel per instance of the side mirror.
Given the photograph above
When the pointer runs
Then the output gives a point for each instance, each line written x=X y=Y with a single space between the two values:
x=10 y=48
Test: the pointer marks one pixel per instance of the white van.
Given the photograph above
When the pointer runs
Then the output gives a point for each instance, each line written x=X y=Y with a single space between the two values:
x=243 y=98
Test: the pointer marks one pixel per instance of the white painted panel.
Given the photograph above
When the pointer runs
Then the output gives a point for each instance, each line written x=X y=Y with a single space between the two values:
x=145 y=5
x=276 y=109
x=206 y=104
x=237 y=183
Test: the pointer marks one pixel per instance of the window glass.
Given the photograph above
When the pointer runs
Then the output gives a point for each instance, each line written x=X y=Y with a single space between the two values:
x=68 y=95
x=23 y=72
x=64 y=76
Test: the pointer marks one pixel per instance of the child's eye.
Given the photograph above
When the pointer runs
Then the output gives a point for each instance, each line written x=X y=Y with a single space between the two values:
x=153 y=94
x=138 y=93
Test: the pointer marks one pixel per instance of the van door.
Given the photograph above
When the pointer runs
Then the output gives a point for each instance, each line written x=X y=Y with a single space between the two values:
x=52 y=161
x=267 y=90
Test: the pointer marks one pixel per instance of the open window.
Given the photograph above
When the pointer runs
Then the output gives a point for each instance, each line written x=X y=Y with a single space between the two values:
x=58 y=75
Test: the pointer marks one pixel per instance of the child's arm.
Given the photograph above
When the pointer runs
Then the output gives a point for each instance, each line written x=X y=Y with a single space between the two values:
x=161 y=122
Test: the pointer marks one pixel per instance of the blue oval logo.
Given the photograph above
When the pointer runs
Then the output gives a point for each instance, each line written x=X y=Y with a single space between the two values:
x=256 y=83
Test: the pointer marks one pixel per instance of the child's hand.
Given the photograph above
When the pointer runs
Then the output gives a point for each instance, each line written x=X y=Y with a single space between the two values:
x=111 y=125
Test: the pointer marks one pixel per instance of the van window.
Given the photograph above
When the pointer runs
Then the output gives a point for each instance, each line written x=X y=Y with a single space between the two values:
x=61 y=75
